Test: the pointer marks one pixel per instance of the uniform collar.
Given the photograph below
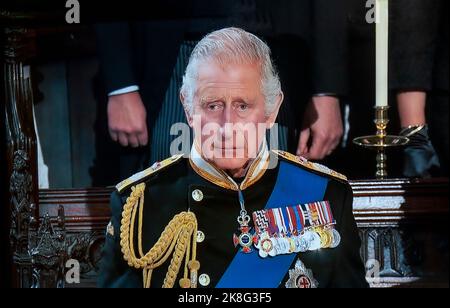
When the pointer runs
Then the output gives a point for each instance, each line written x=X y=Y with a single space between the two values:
x=219 y=177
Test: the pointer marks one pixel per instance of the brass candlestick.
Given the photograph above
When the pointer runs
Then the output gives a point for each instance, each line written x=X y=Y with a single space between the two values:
x=381 y=141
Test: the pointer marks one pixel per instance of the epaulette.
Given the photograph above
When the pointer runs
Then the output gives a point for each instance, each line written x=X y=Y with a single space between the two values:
x=310 y=165
x=141 y=176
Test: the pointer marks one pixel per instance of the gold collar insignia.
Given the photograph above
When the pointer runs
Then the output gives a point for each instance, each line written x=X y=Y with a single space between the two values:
x=219 y=177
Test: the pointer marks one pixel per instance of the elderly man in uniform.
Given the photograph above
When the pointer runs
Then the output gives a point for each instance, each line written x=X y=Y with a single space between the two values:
x=233 y=214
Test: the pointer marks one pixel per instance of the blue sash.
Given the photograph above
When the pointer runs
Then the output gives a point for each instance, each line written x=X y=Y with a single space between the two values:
x=294 y=186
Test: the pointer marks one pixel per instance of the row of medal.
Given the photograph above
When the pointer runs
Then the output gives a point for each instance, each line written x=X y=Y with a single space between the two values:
x=274 y=245
x=295 y=229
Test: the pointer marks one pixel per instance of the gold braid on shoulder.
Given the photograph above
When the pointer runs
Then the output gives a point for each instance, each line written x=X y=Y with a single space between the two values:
x=179 y=238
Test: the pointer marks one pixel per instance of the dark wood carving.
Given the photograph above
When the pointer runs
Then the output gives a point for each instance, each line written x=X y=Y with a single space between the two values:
x=21 y=148
x=403 y=227
x=86 y=214
x=50 y=253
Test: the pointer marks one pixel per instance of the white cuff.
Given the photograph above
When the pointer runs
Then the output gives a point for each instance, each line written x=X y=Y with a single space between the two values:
x=325 y=94
x=125 y=90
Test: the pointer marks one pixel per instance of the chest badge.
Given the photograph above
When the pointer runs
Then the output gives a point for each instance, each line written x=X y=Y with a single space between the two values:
x=301 y=278
x=244 y=237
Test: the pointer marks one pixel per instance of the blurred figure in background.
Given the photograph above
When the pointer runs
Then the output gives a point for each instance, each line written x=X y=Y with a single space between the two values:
x=419 y=74
x=143 y=63
x=309 y=43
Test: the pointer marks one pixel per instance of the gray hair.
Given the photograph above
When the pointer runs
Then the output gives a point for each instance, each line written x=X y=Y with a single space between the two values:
x=233 y=45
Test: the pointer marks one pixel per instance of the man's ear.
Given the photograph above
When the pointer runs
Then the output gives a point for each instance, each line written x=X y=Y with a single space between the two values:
x=270 y=121
x=186 y=110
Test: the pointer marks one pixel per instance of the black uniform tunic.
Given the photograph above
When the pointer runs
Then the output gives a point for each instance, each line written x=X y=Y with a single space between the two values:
x=169 y=192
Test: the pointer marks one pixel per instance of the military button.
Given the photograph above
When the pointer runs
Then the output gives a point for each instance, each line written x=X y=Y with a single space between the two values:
x=200 y=236
x=204 y=280
x=197 y=195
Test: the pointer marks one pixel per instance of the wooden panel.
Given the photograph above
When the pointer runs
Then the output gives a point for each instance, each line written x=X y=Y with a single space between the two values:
x=394 y=202
x=84 y=209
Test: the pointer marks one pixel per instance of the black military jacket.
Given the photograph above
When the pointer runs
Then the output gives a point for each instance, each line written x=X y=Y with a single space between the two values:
x=170 y=191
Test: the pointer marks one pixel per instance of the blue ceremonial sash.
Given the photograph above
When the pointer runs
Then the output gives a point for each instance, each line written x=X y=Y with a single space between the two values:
x=294 y=186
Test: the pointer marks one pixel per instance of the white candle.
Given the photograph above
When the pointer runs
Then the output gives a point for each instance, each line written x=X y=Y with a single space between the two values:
x=382 y=53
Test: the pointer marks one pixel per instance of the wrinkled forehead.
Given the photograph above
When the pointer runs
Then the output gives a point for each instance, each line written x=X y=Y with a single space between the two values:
x=228 y=79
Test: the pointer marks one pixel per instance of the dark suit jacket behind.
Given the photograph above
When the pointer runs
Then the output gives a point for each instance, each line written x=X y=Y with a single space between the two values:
x=144 y=52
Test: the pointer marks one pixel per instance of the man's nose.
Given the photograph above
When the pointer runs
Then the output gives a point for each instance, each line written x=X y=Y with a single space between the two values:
x=226 y=129
x=228 y=115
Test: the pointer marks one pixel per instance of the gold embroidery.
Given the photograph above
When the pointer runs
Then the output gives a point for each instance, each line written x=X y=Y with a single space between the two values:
x=310 y=165
x=219 y=177
x=147 y=172
x=257 y=178
x=209 y=177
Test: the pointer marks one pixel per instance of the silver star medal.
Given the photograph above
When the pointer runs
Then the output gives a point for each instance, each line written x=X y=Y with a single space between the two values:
x=284 y=245
x=336 y=239
x=313 y=240
x=301 y=244
x=301 y=278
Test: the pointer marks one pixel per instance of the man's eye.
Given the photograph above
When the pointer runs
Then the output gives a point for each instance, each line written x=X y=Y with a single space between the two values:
x=214 y=107
x=242 y=107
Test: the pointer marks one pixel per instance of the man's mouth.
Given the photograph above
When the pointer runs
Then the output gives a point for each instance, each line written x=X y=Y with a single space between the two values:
x=229 y=152
x=228 y=149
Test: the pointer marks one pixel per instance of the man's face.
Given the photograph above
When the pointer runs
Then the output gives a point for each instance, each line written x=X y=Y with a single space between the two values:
x=229 y=116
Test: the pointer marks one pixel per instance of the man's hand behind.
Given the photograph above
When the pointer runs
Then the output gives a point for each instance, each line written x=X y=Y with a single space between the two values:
x=127 y=119
x=322 y=128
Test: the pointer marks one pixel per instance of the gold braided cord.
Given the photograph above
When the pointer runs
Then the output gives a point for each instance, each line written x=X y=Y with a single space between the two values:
x=177 y=259
x=188 y=255
x=176 y=237
x=141 y=215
